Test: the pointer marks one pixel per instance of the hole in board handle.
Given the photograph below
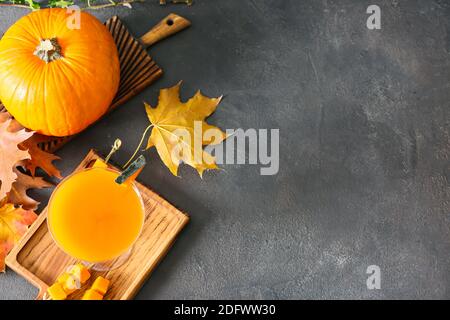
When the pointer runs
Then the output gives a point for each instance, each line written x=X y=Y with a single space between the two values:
x=169 y=22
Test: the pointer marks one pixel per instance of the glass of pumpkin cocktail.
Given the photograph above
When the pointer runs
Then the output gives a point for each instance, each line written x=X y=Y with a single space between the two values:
x=93 y=218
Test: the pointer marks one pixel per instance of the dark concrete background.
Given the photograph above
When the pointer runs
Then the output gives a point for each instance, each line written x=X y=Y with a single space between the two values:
x=364 y=156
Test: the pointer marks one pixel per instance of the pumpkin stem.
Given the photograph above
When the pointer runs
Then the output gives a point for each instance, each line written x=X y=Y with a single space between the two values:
x=48 y=50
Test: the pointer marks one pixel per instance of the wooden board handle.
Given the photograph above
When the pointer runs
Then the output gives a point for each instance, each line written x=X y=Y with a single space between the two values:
x=168 y=26
x=41 y=294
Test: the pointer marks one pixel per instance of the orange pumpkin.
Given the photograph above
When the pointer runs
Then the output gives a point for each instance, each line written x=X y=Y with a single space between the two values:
x=56 y=79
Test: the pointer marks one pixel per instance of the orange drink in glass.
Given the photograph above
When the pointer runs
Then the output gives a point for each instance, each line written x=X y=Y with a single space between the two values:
x=93 y=218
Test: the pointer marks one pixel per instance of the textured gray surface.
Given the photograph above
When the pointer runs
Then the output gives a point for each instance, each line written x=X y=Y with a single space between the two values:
x=364 y=157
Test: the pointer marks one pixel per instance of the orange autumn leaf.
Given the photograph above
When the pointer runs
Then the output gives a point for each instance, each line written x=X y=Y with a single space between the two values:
x=175 y=126
x=18 y=194
x=14 y=222
x=40 y=158
x=10 y=154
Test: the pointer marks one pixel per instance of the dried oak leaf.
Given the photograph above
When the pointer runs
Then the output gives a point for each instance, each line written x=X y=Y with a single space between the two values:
x=18 y=194
x=14 y=222
x=10 y=154
x=177 y=126
x=40 y=158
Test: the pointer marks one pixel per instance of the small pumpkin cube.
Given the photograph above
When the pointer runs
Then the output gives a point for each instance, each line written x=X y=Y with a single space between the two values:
x=68 y=282
x=100 y=285
x=91 y=294
x=80 y=272
x=56 y=292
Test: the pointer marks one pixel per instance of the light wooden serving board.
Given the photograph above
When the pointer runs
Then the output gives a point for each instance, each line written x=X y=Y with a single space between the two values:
x=39 y=260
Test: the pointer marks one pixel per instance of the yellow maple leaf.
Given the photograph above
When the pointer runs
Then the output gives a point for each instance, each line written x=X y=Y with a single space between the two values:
x=14 y=223
x=180 y=131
